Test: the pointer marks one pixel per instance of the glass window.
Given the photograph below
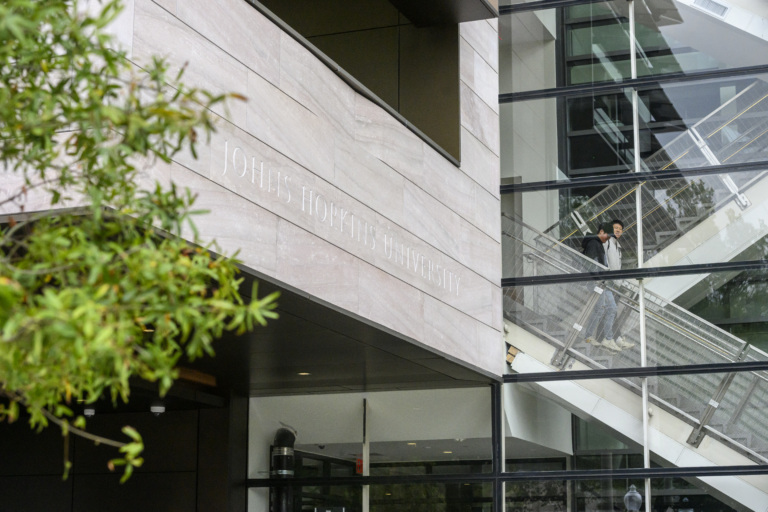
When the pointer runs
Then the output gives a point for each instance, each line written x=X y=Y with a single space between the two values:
x=528 y=46
x=687 y=125
x=430 y=431
x=431 y=497
x=671 y=38
x=719 y=413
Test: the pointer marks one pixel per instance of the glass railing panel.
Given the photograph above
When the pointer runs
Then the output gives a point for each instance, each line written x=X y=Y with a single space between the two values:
x=727 y=410
x=596 y=325
x=699 y=219
x=727 y=126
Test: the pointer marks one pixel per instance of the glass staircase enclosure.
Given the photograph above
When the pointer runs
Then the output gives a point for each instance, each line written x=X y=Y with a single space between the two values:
x=736 y=132
x=729 y=407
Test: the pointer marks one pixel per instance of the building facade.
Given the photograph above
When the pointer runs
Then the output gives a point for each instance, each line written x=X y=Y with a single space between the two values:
x=416 y=178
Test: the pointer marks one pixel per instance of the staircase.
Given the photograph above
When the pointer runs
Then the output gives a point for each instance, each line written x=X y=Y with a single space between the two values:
x=736 y=132
x=732 y=408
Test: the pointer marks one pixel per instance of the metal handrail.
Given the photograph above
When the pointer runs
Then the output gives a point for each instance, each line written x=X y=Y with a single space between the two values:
x=615 y=194
x=730 y=397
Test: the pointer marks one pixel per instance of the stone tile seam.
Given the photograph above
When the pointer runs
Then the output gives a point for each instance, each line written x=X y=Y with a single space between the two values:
x=469 y=131
x=333 y=185
x=474 y=49
x=357 y=258
x=470 y=87
x=305 y=107
x=462 y=217
x=347 y=251
x=208 y=40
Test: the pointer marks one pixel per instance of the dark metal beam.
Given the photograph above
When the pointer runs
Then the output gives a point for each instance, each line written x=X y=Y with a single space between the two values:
x=648 y=371
x=637 y=273
x=632 y=177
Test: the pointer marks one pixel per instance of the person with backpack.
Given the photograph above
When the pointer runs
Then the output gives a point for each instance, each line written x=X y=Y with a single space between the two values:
x=605 y=308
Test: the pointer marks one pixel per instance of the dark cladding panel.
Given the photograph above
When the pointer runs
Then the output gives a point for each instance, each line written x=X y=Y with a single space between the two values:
x=443 y=12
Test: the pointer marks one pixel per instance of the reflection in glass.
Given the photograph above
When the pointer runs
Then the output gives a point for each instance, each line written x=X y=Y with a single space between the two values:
x=542 y=495
x=441 y=431
x=686 y=220
x=681 y=126
x=431 y=497
x=667 y=495
x=528 y=46
x=672 y=38
x=729 y=406
x=737 y=304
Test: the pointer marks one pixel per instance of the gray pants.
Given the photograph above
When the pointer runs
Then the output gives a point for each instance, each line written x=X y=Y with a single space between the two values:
x=605 y=310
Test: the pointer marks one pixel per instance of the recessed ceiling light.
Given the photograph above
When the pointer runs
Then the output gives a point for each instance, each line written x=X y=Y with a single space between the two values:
x=447 y=451
x=303 y=374
x=411 y=444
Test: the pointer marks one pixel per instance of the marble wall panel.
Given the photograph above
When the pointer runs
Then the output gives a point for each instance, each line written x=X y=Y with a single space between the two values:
x=486 y=83
x=450 y=331
x=168 y=5
x=310 y=82
x=408 y=258
x=16 y=196
x=466 y=62
x=289 y=127
x=369 y=180
x=152 y=170
x=386 y=138
x=391 y=302
x=14 y=199
x=452 y=187
x=478 y=75
x=482 y=36
x=480 y=163
x=479 y=119
x=239 y=30
x=343 y=220
x=491 y=351
x=317 y=267
x=235 y=223
x=121 y=28
x=451 y=234
x=157 y=32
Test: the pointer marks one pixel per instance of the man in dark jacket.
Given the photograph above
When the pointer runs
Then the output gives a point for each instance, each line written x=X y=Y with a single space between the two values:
x=605 y=308
x=593 y=246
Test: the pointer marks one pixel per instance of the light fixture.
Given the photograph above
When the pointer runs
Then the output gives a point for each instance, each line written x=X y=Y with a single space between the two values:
x=633 y=499
x=88 y=412
x=447 y=451
x=411 y=444
x=303 y=374
x=157 y=408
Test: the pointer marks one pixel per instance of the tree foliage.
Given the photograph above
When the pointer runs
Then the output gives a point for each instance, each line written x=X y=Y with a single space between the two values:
x=94 y=295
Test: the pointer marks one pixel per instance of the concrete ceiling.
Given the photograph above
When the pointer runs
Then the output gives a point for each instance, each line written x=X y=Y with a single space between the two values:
x=340 y=353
